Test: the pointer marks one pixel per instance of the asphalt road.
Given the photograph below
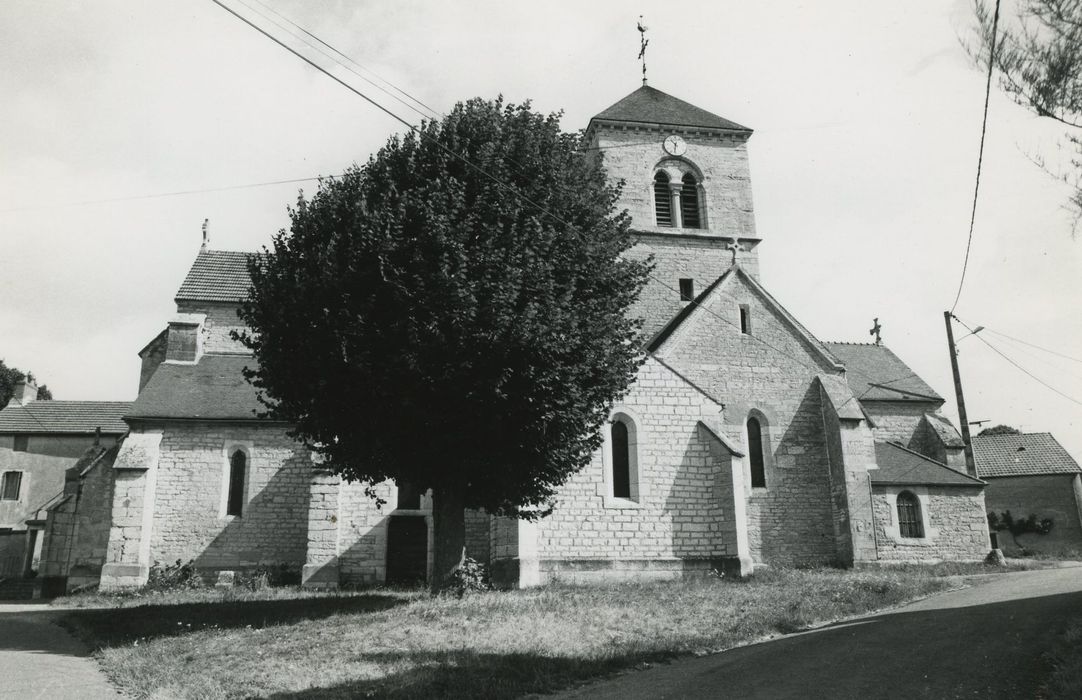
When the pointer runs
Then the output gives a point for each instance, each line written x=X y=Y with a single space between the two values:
x=982 y=642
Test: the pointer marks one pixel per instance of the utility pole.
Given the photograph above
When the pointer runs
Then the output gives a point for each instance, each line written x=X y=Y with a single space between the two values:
x=971 y=467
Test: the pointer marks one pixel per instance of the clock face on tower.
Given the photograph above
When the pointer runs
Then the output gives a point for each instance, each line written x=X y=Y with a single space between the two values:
x=674 y=145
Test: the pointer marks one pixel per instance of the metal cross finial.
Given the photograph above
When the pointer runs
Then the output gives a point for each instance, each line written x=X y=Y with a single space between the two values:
x=206 y=233
x=875 y=331
x=643 y=41
x=735 y=248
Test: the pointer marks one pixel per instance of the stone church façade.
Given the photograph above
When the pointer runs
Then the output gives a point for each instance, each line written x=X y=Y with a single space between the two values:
x=744 y=439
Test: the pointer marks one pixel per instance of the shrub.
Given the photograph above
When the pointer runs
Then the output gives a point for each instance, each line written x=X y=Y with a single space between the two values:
x=471 y=577
x=173 y=576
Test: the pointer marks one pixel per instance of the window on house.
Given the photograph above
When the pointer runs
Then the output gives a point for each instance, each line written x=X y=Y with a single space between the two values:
x=238 y=463
x=22 y=443
x=909 y=520
x=9 y=487
x=663 y=199
x=755 y=454
x=687 y=289
x=689 y=202
x=745 y=319
x=621 y=460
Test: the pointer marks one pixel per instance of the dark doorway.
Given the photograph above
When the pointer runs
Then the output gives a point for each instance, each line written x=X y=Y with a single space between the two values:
x=407 y=550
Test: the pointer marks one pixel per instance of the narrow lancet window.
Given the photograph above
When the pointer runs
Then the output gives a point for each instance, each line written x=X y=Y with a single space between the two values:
x=621 y=461
x=238 y=463
x=662 y=199
x=755 y=454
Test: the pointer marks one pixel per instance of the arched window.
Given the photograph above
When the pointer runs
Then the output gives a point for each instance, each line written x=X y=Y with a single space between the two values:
x=755 y=453
x=621 y=461
x=662 y=199
x=238 y=463
x=689 y=202
x=909 y=520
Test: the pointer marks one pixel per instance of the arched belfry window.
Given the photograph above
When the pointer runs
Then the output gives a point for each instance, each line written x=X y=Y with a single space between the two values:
x=689 y=202
x=621 y=461
x=238 y=465
x=755 y=453
x=910 y=523
x=663 y=199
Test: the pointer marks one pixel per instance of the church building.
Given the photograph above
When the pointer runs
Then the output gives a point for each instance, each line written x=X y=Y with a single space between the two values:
x=744 y=440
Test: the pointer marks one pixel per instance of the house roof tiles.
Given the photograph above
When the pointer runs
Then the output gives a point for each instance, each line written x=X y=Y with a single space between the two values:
x=65 y=417
x=649 y=105
x=898 y=465
x=1026 y=454
x=875 y=373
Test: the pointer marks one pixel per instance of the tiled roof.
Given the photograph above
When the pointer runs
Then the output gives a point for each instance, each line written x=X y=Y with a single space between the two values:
x=1021 y=455
x=946 y=431
x=875 y=373
x=212 y=389
x=72 y=417
x=897 y=465
x=217 y=275
x=649 y=105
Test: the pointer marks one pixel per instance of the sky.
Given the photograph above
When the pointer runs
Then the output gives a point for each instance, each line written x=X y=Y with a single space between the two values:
x=867 y=122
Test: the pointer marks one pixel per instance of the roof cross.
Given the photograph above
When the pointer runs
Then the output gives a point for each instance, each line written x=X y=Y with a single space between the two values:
x=643 y=41
x=735 y=248
x=875 y=331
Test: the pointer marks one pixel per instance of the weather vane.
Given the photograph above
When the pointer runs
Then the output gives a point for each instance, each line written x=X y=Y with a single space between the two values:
x=875 y=331
x=643 y=41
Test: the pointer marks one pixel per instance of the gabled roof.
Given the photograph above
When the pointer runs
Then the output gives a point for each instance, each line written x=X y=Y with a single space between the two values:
x=946 y=431
x=1021 y=455
x=65 y=417
x=649 y=105
x=875 y=373
x=698 y=304
x=897 y=465
x=212 y=389
x=217 y=275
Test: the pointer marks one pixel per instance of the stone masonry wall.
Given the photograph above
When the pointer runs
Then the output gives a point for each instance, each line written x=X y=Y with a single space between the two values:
x=1046 y=496
x=954 y=525
x=189 y=520
x=770 y=371
x=678 y=512
x=897 y=421
x=221 y=320
x=362 y=537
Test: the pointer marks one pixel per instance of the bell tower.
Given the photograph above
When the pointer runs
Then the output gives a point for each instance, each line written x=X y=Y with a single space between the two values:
x=687 y=187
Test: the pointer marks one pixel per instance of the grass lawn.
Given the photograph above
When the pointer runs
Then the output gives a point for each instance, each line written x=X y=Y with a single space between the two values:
x=1065 y=681
x=284 y=643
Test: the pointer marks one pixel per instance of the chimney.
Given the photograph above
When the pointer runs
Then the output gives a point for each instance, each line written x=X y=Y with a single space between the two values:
x=26 y=390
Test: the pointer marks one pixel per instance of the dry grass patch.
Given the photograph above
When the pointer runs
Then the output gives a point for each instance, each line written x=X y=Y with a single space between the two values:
x=491 y=645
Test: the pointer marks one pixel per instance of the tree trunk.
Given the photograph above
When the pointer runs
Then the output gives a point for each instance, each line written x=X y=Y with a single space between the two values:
x=449 y=525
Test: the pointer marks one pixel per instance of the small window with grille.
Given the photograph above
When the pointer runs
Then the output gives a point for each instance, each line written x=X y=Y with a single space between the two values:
x=689 y=202
x=10 y=485
x=909 y=520
x=662 y=199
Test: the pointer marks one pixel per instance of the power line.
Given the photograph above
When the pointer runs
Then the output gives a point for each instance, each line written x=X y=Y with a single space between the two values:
x=179 y=193
x=980 y=154
x=1032 y=345
x=1021 y=368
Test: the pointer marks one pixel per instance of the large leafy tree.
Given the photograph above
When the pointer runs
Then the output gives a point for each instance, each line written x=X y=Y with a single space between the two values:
x=1038 y=60
x=9 y=377
x=453 y=315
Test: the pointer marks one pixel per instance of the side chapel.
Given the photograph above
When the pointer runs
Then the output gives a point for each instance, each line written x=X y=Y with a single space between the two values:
x=743 y=441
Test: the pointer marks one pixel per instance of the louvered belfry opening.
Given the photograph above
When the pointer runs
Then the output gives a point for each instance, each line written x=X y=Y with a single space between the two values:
x=662 y=199
x=909 y=522
x=689 y=202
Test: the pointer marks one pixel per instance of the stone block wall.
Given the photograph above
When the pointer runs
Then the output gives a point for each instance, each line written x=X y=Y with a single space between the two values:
x=221 y=320
x=678 y=513
x=955 y=527
x=1055 y=496
x=76 y=537
x=362 y=538
x=189 y=515
x=770 y=373
x=897 y=421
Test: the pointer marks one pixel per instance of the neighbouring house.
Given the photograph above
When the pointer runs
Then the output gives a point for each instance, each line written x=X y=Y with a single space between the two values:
x=744 y=440
x=1031 y=474
x=39 y=442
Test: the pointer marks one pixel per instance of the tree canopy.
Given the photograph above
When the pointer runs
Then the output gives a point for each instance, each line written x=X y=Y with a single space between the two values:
x=9 y=377
x=453 y=314
x=1038 y=59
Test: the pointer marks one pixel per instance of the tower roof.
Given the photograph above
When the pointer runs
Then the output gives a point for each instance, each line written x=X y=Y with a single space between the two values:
x=649 y=105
